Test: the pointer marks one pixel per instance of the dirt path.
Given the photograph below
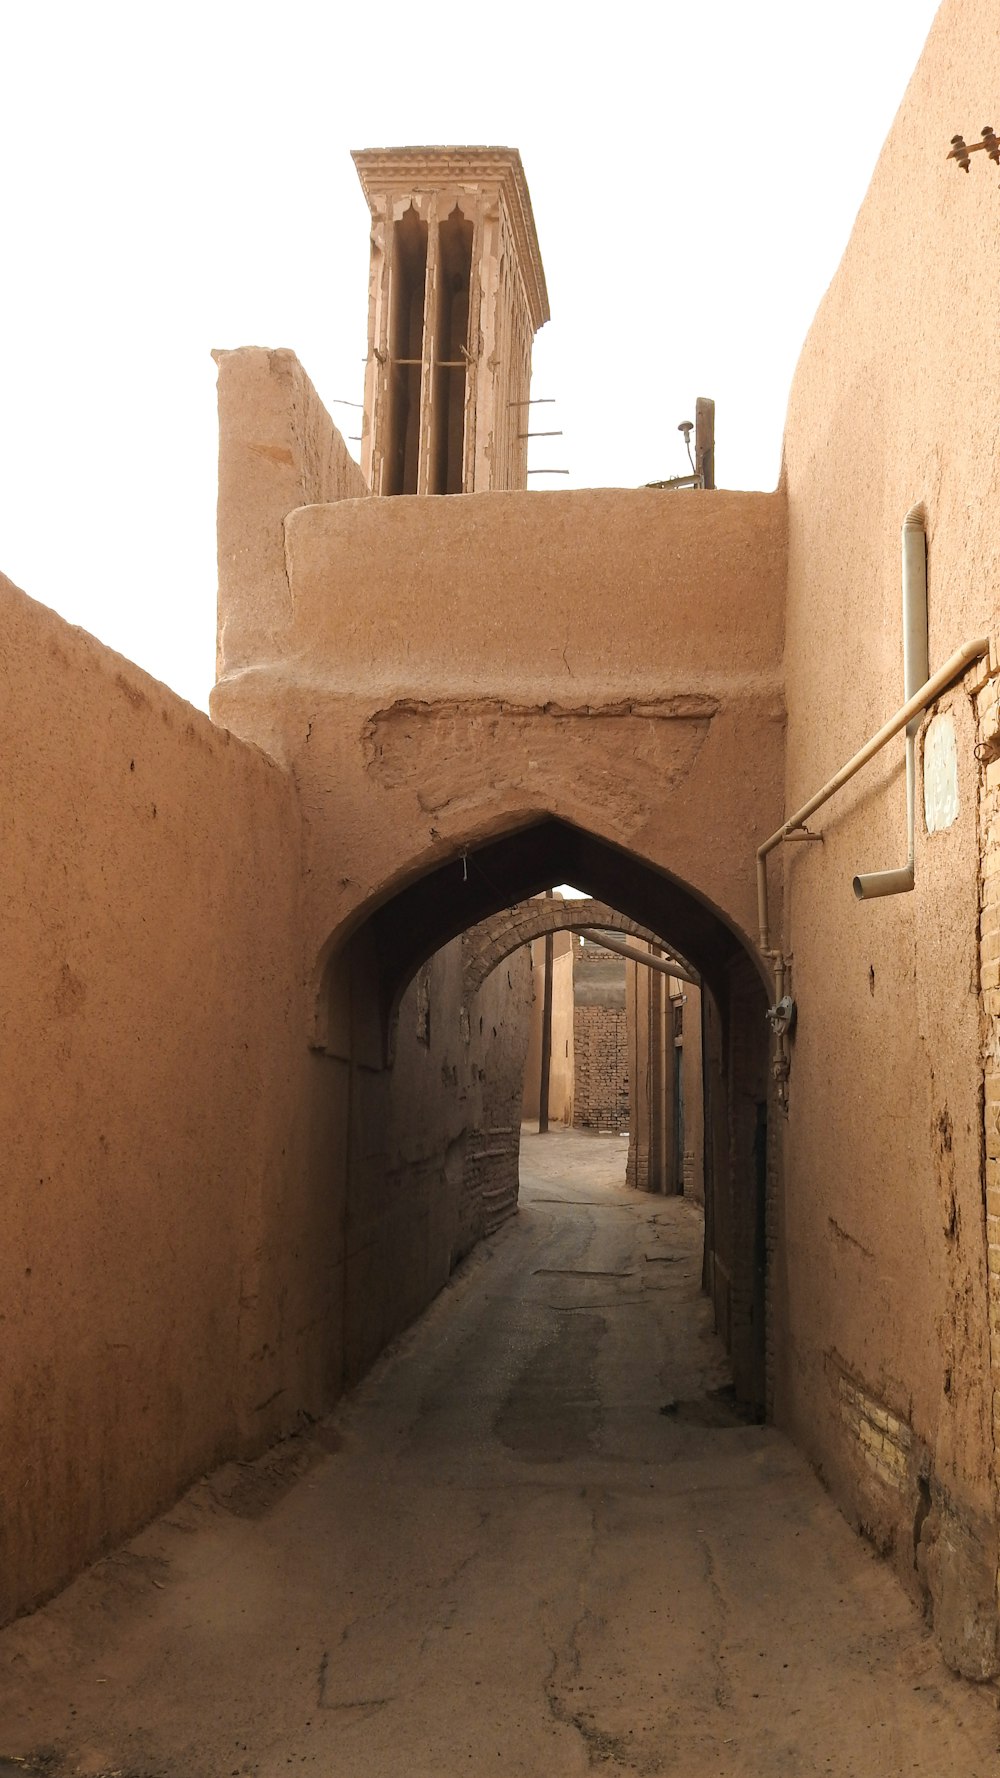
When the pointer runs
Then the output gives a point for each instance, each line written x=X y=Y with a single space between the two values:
x=501 y=1557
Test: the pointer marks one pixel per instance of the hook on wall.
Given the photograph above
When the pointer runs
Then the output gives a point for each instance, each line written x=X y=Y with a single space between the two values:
x=961 y=150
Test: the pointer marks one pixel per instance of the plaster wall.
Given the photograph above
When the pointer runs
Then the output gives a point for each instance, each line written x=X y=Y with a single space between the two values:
x=562 y=1067
x=169 y=1197
x=279 y=449
x=209 y=1228
x=432 y=1142
x=408 y=684
x=882 y=1249
x=563 y=1058
x=452 y=758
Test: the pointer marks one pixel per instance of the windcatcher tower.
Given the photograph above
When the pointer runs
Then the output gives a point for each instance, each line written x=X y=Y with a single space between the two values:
x=456 y=296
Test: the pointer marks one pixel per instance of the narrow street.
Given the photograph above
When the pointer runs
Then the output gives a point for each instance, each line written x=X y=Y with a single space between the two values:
x=503 y=1556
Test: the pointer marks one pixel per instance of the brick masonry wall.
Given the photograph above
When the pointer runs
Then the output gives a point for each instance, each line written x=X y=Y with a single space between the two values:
x=888 y=1449
x=433 y=1165
x=497 y=1018
x=600 y=1096
x=490 y=1179
x=486 y=945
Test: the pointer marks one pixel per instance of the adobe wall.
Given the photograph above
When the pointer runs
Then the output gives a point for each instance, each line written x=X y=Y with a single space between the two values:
x=563 y=1073
x=884 y=1363
x=399 y=674
x=444 y=745
x=414 y=688
x=432 y=1142
x=562 y=1065
x=209 y=1227
x=279 y=449
x=168 y=1262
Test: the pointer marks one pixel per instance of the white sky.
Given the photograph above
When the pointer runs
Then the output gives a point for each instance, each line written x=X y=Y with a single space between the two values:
x=179 y=178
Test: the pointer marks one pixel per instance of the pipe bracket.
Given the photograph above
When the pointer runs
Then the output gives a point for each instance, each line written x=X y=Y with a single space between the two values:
x=781 y=1017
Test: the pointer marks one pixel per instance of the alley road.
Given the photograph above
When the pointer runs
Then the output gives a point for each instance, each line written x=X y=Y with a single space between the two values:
x=501 y=1557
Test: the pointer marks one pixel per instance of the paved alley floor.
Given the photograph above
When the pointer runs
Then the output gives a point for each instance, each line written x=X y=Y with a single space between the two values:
x=501 y=1557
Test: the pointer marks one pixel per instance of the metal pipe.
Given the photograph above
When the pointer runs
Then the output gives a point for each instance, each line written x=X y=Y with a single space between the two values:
x=916 y=649
x=920 y=689
x=916 y=670
x=781 y=1064
x=665 y=965
x=956 y=664
x=869 y=885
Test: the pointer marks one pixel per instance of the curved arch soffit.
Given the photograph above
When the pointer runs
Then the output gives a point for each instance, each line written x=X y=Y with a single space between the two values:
x=405 y=929
x=492 y=941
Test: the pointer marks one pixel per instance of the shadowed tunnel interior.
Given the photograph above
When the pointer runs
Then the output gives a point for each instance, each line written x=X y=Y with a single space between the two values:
x=436 y=907
x=366 y=979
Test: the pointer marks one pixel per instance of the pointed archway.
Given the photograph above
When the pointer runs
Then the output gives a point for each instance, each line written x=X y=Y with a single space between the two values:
x=366 y=976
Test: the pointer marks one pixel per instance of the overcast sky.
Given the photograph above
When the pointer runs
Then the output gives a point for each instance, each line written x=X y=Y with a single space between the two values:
x=179 y=178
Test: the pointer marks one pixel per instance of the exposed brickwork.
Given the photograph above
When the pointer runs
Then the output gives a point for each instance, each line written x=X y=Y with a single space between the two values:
x=490 y=1178
x=432 y=1163
x=600 y=1089
x=486 y=945
x=490 y=1146
x=886 y=1443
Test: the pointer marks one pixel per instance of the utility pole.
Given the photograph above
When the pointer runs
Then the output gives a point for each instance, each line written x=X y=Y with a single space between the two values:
x=704 y=440
x=543 y=1085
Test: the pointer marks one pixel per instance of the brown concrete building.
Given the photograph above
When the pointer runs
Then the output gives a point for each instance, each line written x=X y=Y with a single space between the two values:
x=247 y=1080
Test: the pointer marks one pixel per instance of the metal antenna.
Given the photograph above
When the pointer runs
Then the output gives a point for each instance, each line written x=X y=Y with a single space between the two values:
x=687 y=427
x=702 y=471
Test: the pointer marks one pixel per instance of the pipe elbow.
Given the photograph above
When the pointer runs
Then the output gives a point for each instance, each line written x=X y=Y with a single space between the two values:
x=884 y=882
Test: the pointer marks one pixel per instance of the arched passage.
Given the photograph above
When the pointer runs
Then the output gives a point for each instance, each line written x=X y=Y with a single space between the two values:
x=639 y=1058
x=409 y=926
x=361 y=994
x=485 y=945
